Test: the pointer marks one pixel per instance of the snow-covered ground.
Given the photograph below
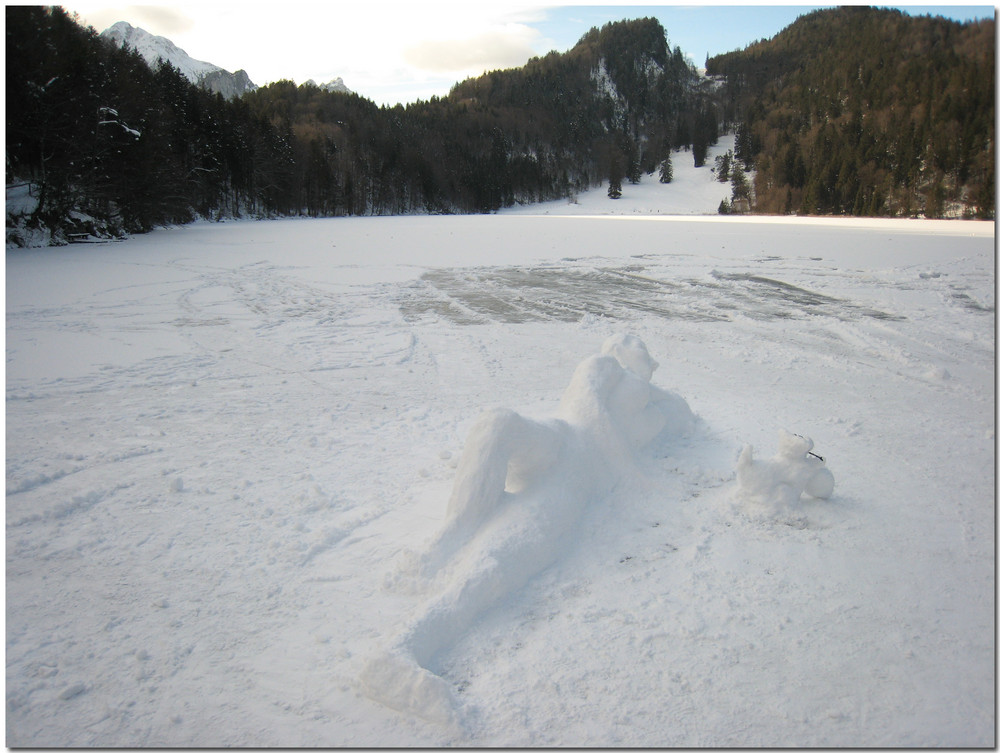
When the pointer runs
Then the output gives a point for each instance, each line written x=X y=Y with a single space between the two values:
x=231 y=453
x=692 y=191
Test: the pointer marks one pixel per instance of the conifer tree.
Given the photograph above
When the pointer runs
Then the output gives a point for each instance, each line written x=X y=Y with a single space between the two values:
x=722 y=166
x=634 y=171
x=741 y=186
x=699 y=148
x=666 y=170
x=615 y=179
x=744 y=144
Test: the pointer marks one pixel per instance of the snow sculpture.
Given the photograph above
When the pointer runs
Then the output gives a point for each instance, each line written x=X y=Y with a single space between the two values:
x=521 y=485
x=780 y=481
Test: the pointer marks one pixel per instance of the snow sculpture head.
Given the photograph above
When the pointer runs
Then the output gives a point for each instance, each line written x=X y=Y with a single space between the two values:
x=611 y=399
x=780 y=481
x=792 y=447
x=631 y=353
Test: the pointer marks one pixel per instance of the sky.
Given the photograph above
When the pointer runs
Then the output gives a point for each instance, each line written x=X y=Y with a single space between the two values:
x=397 y=52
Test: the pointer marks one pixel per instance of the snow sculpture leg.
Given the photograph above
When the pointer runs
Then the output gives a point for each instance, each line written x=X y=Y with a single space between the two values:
x=780 y=481
x=397 y=681
x=503 y=455
x=520 y=488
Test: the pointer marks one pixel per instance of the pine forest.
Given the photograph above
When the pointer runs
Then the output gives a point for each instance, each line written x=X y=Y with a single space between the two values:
x=850 y=111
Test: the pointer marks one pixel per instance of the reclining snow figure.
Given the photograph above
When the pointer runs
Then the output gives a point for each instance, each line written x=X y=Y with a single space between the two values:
x=780 y=481
x=520 y=488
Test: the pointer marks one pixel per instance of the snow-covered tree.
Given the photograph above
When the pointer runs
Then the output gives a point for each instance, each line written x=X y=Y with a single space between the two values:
x=666 y=170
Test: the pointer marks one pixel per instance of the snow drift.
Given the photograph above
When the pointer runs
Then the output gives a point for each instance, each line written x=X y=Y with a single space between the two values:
x=519 y=491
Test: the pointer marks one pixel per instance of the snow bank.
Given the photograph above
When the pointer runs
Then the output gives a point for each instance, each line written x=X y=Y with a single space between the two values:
x=520 y=488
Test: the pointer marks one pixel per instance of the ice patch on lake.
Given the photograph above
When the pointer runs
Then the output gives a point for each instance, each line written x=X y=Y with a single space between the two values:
x=521 y=487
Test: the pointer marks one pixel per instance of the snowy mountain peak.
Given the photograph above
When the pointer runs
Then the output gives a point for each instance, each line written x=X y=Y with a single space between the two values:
x=155 y=48
x=336 y=85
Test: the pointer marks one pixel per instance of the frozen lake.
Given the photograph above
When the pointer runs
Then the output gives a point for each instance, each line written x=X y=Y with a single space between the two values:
x=227 y=442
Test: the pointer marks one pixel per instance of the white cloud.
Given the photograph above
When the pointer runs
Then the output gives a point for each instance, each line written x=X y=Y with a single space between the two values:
x=156 y=19
x=379 y=47
x=167 y=20
x=504 y=47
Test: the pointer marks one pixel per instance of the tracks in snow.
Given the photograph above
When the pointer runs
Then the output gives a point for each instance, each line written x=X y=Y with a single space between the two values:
x=513 y=295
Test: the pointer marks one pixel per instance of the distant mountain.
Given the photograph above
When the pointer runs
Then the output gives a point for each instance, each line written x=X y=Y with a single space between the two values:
x=337 y=85
x=153 y=49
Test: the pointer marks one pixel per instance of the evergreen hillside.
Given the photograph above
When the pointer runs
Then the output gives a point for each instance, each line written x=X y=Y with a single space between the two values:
x=109 y=145
x=851 y=111
x=861 y=111
x=559 y=124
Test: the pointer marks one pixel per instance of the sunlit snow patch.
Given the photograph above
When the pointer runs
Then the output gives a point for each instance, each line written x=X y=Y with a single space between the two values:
x=521 y=486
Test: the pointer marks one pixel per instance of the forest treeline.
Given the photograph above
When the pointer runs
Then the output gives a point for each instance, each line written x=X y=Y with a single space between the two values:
x=848 y=111
x=110 y=145
x=863 y=111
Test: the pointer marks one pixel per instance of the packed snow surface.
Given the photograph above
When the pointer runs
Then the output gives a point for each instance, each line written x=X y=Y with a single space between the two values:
x=420 y=481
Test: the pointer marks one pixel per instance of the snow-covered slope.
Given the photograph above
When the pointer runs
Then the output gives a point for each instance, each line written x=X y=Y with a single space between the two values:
x=155 y=48
x=693 y=190
x=231 y=450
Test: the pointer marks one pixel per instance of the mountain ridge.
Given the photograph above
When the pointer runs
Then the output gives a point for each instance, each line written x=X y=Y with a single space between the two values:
x=153 y=49
x=333 y=85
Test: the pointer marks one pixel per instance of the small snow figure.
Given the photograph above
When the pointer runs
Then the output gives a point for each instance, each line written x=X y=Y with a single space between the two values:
x=780 y=481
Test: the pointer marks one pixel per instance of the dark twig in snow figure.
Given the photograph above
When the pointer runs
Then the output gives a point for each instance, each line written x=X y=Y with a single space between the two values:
x=521 y=486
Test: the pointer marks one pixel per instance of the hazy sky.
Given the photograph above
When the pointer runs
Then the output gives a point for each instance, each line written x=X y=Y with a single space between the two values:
x=394 y=52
